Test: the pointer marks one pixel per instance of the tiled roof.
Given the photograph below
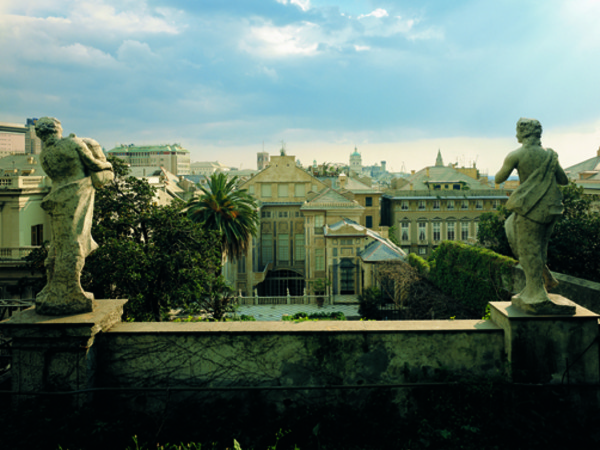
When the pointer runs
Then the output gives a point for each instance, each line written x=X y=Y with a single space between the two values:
x=592 y=164
x=329 y=198
x=380 y=249
x=439 y=174
x=22 y=162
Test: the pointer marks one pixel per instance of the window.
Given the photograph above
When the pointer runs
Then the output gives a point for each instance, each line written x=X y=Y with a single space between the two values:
x=368 y=201
x=369 y=221
x=265 y=190
x=299 y=249
x=345 y=241
x=37 y=234
x=436 y=205
x=299 y=190
x=282 y=190
x=265 y=214
x=421 y=205
x=404 y=205
x=283 y=214
x=422 y=231
x=464 y=204
x=319 y=259
x=451 y=227
x=404 y=231
x=436 y=231
x=456 y=187
x=319 y=221
x=283 y=247
x=479 y=204
x=422 y=250
x=266 y=245
x=241 y=265
x=464 y=231
x=297 y=213
x=450 y=205
x=251 y=190
x=495 y=204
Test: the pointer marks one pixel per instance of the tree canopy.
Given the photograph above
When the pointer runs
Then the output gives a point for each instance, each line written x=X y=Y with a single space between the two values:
x=574 y=244
x=232 y=212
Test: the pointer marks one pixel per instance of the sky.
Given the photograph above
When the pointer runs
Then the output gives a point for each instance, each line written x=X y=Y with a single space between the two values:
x=398 y=80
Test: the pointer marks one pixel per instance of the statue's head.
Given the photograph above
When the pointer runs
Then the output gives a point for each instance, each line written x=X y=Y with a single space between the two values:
x=48 y=126
x=527 y=128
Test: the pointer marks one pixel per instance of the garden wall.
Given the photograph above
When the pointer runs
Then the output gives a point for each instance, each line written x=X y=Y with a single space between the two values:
x=282 y=359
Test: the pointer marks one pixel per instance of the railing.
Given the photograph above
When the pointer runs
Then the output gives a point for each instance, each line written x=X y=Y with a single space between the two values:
x=286 y=300
x=445 y=193
x=16 y=253
x=10 y=306
x=21 y=182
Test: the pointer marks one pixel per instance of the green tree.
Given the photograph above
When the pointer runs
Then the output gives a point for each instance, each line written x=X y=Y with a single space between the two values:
x=491 y=232
x=154 y=256
x=232 y=212
x=574 y=244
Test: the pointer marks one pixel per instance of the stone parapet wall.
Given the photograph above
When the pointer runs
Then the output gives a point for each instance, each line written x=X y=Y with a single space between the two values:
x=296 y=355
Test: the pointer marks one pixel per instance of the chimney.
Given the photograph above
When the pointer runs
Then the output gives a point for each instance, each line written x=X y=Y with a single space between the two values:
x=412 y=172
x=427 y=172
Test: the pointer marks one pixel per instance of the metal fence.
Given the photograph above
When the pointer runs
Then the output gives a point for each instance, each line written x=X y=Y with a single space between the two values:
x=287 y=300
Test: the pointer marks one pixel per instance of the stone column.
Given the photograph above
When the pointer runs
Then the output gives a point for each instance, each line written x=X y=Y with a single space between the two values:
x=550 y=348
x=56 y=353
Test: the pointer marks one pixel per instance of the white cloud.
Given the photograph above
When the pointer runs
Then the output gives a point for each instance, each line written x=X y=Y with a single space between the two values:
x=379 y=13
x=291 y=40
x=361 y=48
x=135 y=51
x=271 y=73
x=98 y=15
x=80 y=54
x=304 y=5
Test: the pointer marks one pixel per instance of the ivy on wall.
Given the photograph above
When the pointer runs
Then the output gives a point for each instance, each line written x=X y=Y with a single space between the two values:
x=419 y=263
x=472 y=275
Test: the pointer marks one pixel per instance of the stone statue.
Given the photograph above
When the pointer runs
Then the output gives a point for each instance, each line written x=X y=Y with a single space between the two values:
x=536 y=205
x=76 y=167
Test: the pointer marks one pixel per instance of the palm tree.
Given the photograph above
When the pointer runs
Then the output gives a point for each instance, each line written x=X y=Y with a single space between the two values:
x=232 y=212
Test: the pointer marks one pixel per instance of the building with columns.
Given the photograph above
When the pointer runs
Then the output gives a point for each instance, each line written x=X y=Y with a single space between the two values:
x=308 y=231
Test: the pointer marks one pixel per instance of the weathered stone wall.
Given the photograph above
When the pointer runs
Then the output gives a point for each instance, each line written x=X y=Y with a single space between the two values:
x=296 y=355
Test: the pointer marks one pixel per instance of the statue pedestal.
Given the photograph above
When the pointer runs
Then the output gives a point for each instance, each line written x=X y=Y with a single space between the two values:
x=56 y=353
x=551 y=349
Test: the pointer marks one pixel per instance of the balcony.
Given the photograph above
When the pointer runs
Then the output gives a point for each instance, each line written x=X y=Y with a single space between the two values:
x=27 y=182
x=15 y=253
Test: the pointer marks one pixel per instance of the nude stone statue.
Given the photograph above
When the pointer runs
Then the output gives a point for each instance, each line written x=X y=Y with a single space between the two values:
x=536 y=205
x=76 y=167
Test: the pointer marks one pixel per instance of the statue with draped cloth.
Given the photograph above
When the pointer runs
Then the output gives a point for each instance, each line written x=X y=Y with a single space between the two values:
x=535 y=205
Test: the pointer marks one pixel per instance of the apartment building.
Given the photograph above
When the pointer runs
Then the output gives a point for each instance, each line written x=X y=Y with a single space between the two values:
x=439 y=203
x=174 y=158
